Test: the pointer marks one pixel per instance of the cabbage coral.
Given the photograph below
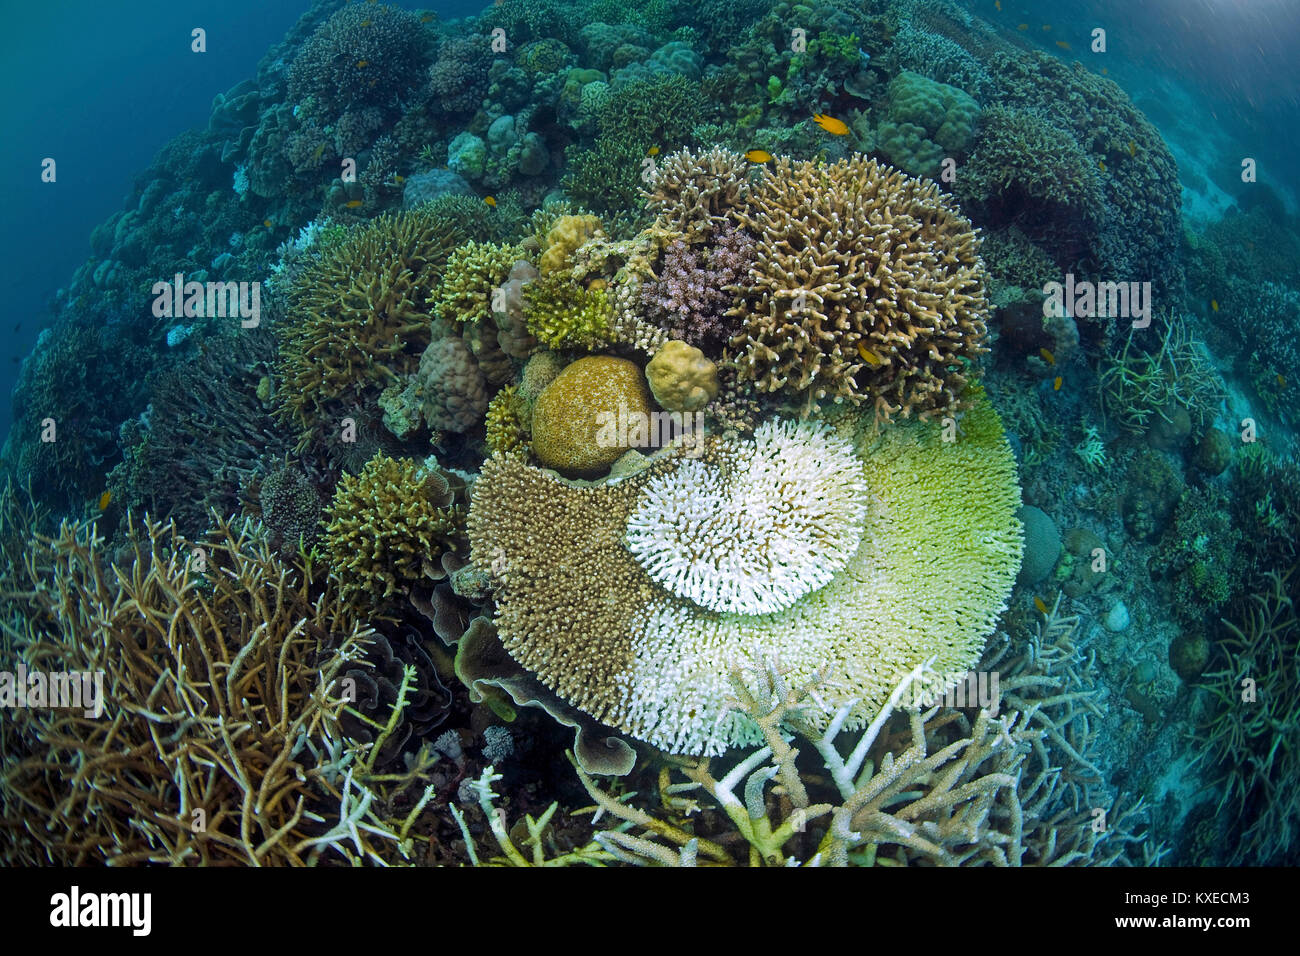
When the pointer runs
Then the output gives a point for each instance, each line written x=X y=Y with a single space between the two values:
x=937 y=554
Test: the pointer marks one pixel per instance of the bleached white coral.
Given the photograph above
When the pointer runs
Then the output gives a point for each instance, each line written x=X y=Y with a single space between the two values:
x=772 y=521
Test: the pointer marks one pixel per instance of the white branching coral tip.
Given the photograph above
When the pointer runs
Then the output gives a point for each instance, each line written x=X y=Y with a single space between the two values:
x=771 y=522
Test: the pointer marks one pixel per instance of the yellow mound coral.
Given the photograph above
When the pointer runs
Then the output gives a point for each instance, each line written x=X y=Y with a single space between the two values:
x=681 y=378
x=387 y=526
x=578 y=420
x=563 y=239
x=938 y=555
x=358 y=318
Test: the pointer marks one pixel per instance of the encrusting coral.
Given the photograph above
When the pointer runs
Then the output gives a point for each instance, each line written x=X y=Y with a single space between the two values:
x=387 y=526
x=938 y=554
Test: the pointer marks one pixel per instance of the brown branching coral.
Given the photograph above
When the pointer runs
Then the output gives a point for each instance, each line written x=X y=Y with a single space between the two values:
x=387 y=526
x=697 y=193
x=358 y=319
x=219 y=739
x=868 y=287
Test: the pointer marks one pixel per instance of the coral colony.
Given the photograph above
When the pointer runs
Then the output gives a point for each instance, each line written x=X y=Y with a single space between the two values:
x=676 y=395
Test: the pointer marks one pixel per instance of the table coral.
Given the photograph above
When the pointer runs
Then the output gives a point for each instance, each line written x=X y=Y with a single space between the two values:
x=937 y=557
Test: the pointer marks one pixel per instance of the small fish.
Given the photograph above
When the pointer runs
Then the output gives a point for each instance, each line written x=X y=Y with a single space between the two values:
x=268 y=223
x=758 y=156
x=868 y=356
x=652 y=151
x=1101 y=165
x=1214 y=304
x=362 y=64
x=1132 y=148
x=318 y=153
x=998 y=5
x=353 y=203
x=1040 y=604
x=1047 y=28
x=428 y=18
x=1022 y=26
x=831 y=124
x=1063 y=44
x=490 y=201
x=1047 y=355
x=365 y=23
x=1281 y=380
x=398 y=179
x=1056 y=383
x=1105 y=72
x=104 y=499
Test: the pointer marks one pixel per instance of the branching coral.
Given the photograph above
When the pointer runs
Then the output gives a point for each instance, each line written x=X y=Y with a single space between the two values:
x=868 y=287
x=387 y=526
x=220 y=740
x=472 y=272
x=928 y=576
x=695 y=287
x=561 y=314
x=358 y=318
x=696 y=194
x=1252 y=728
x=1138 y=386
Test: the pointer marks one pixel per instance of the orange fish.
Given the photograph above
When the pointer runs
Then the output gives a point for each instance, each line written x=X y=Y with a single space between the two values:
x=1101 y=165
x=1038 y=603
x=353 y=203
x=868 y=356
x=1214 y=304
x=1048 y=357
x=1281 y=380
x=1046 y=28
x=998 y=5
x=1105 y=72
x=758 y=156
x=365 y=23
x=1132 y=148
x=652 y=151
x=1062 y=44
x=362 y=64
x=831 y=124
x=427 y=18
x=107 y=496
x=398 y=179
x=1056 y=383
x=267 y=223
x=1022 y=26
x=490 y=201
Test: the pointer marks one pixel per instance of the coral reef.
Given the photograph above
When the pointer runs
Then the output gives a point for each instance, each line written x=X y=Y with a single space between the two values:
x=681 y=378
x=583 y=420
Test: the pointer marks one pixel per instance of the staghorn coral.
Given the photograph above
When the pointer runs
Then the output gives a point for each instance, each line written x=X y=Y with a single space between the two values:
x=868 y=287
x=220 y=742
x=939 y=552
x=1141 y=390
x=357 y=319
x=386 y=527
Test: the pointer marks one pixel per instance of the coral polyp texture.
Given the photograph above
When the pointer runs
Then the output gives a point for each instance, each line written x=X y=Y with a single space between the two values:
x=758 y=527
x=938 y=547
x=868 y=287
x=387 y=527
x=358 y=318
